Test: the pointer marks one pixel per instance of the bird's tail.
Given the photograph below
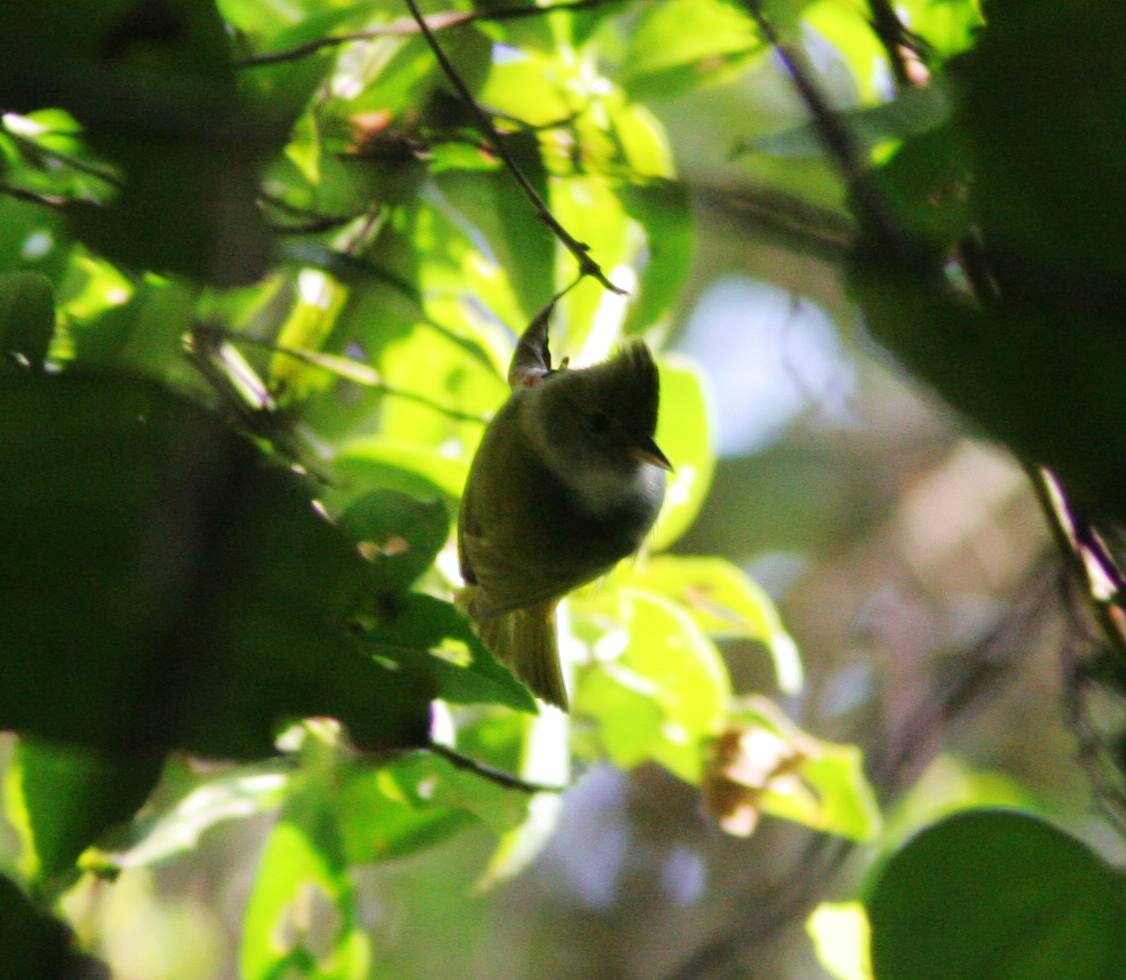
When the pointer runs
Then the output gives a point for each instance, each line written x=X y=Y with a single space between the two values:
x=525 y=641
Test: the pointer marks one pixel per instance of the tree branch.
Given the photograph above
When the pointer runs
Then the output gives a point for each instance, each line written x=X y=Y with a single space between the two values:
x=494 y=775
x=587 y=265
x=889 y=29
x=871 y=208
x=408 y=26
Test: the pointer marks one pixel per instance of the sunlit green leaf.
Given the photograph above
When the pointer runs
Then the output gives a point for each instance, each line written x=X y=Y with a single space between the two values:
x=665 y=59
x=658 y=688
x=316 y=304
x=536 y=751
x=684 y=433
x=236 y=795
x=848 y=29
x=663 y=210
x=380 y=820
x=724 y=601
x=69 y=796
x=301 y=917
x=372 y=463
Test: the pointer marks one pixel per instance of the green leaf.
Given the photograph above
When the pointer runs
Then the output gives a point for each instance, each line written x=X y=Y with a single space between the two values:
x=155 y=93
x=316 y=304
x=684 y=432
x=302 y=918
x=36 y=944
x=1001 y=894
x=1046 y=382
x=435 y=638
x=412 y=469
x=144 y=334
x=1045 y=144
x=71 y=796
x=236 y=795
x=221 y=600
x=399 y=534
x=663 y=210
x=536 y=749
x=384 y=814
x=948 y=26
x=27 y=316
x=724 y=601
x=916 y=111
x=666 y=59
x=658 y=689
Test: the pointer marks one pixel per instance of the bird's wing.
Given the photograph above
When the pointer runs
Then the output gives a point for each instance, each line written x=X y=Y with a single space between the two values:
x=507 y=582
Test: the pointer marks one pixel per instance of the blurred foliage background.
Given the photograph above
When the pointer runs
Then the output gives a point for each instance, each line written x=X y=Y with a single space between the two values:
x=855 y=711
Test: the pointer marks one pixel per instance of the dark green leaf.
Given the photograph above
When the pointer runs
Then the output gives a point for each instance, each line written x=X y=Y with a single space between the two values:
x=27 y=316
x=152 y=86
x=997 y=894
x=164 y=587
x=436 y=639
x=1046 y=383
x=400 y=535
x=72 y=795
x=1047 y=142
x=35 y=945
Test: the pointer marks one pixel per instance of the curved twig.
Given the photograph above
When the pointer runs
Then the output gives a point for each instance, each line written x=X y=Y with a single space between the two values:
x=587 y=265
x=407 y=26
x=491 y=773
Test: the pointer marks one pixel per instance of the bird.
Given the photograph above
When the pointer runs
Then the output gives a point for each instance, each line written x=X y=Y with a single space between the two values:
x=566 y=481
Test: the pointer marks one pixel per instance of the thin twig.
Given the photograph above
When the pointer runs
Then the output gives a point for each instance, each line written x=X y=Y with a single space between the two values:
x=344 y=265
x=491 y=773
x=1077 y=541
x=869 y=203
x=348 y=369
x=408 y=26
x=90 y=169
x=889 y=29
x=314 y=221
x=31 y=197
x=587 y=265
x=1104 y=774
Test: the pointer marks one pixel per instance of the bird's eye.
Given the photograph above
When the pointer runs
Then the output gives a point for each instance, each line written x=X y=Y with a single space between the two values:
x=598 y=422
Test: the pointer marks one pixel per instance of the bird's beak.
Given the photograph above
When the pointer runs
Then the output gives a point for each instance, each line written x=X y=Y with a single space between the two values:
x=650 y=452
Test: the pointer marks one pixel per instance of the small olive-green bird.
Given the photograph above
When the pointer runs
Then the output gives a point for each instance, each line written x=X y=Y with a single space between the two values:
x=566 y=482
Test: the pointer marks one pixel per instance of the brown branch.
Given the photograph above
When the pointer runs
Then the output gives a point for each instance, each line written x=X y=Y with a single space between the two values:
x=408 y=26
x=889 y=29
x=587 y=265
